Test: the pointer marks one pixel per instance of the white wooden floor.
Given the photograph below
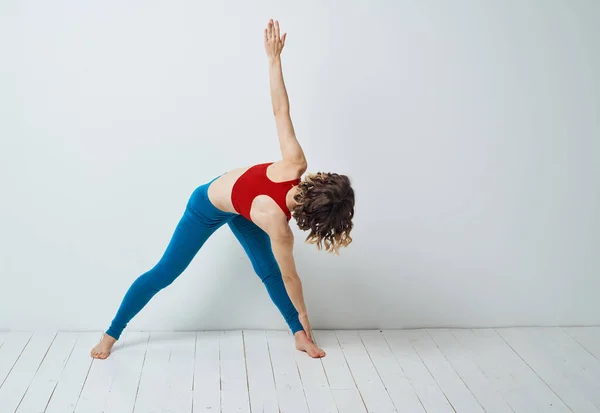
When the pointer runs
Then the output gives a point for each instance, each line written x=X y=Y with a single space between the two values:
x=520 y=370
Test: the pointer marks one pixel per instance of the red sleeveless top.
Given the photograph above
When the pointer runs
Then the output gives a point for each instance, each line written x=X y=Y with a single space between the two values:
x=255 y=182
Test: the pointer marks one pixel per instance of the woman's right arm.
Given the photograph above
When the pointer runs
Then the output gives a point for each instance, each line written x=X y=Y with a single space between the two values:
x=283 y=250
x=282 y=243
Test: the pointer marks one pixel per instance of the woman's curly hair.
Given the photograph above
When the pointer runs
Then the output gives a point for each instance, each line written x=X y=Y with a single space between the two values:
x=325 y=208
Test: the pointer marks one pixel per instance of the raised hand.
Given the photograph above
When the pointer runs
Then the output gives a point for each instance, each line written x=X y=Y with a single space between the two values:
x=274 y=42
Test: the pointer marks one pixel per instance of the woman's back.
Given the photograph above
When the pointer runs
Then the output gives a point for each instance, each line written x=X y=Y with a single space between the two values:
x=224 y=194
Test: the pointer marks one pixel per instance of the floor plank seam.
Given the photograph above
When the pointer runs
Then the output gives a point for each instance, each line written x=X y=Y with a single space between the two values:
x=16 y=361
x=36 y=371
x=139 y=382
x=402 y=369
x=488 y=378
x=246 y=371
x=580 y=344
x=534 y=372
x=302 y=383
x=377 y=371
x=220 y=377
x=432 y=376
x=456 y=372
x=272 y=371
x=194 y=370
x=83 y=384
x=350 y=370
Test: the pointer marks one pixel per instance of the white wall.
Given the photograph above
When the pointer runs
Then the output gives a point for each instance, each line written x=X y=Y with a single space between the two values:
x=471 y=130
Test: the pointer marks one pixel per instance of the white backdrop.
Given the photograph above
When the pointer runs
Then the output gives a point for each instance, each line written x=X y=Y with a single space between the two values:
x=471 y=131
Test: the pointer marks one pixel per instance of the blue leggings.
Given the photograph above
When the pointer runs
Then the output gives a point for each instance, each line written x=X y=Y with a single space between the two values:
x=200 y=220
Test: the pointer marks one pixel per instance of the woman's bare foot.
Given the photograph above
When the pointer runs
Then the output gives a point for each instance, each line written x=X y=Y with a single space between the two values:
x=304 y=344
x=102 y=349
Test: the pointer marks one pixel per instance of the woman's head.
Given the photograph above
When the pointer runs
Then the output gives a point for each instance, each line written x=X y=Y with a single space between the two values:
x=325 y=207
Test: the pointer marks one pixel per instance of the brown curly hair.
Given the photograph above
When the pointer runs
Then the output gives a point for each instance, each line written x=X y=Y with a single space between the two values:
x=325 y=207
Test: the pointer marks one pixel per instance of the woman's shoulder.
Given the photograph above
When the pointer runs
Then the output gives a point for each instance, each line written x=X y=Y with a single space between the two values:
x=268 y=216
x=282 y=171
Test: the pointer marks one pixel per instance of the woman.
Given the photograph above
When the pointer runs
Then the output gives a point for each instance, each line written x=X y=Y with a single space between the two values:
x=257 y=204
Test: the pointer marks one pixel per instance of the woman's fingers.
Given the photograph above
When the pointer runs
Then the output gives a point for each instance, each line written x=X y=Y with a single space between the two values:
x=277 y=37
x=273 y=33
x=308 y=331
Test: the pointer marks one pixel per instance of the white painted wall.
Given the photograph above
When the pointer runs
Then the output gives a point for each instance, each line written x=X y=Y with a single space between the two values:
x=471 y=130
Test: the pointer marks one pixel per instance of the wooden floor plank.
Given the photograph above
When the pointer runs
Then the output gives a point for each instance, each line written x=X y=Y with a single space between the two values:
x=97 y=386
x=579 y=368
x=489 y=398
x=23 y=372
x=282 y=352
x=153 y=380
x=207 y=376
x=320 y=400
x=538 y=357
x=292 y=401
x=537 y=389
x=261 y=384
x=47 y=377
x=290 y=392
x=234 y=383
x=427 y=389
x=66 y=394
x=348 y=401
x=398 y=385
x=455 y=390
x=13 y=346
x=587 y=337
x=370 y=386
x=580 y=350
x=490 y=358
x=335 y=366
x=129 y=361
x=528 y=390
x=180 y=373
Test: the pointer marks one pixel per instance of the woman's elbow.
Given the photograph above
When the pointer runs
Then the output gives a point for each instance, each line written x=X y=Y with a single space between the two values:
x=290 y=278
x=300 y=164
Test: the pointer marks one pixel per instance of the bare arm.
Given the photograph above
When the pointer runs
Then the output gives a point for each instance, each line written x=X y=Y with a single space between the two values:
x=283 y=245
x=290 y=148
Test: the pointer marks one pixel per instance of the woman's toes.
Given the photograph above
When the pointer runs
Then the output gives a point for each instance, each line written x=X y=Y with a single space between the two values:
x=314 y=352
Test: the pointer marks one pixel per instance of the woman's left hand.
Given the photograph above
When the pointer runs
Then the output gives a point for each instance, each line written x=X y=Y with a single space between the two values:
x=306 y=325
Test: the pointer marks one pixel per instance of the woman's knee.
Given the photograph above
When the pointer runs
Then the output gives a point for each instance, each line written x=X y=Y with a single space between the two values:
x=160 y=277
